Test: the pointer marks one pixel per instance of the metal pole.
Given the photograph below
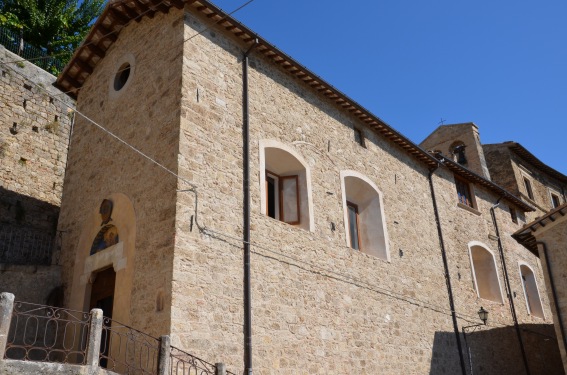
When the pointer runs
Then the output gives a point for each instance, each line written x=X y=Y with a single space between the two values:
x=246 y=216
x=510 y=298
x=447 y=274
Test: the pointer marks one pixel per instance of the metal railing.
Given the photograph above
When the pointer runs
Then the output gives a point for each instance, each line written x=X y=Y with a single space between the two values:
x=31 y=332
x=47 y=334
x=25 y=246
x=126 y=350
x=14 y=42
x=183 y=363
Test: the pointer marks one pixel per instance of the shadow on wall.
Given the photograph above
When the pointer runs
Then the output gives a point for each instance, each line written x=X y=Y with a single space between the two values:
x=496 y=351
x=27 y=229
x=19 y=210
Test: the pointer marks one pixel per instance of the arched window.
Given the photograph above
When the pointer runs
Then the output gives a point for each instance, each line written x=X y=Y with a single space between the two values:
x=285 y=185
x=365 y=226
x=485 y=273
x=531 y=292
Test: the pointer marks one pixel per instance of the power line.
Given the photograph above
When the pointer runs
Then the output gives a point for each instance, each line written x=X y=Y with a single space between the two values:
x=321 y=270
x=217 y=21
x=315 y=268
x=210 y=232
x=189 y=183
x=120 y=27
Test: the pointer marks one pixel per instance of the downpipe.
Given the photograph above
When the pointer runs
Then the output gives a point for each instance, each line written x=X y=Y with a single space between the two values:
x=246 y=214
x=509 y=291
x=446 y=270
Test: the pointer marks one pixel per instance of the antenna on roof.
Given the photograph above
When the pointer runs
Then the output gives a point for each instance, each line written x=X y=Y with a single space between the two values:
x=442 y=122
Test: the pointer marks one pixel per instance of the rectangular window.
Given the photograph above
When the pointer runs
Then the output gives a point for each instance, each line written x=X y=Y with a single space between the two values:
x=555 y=202
x=513 y=215
x=282 y=198
x=528 y=186
x=353 y=225
x=359 y=137
x=464 y=192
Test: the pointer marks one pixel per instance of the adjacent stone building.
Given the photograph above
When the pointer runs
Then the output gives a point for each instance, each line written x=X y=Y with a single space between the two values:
x=36 y=121
x=548 y=236
x=200 y=149
x=507 y=164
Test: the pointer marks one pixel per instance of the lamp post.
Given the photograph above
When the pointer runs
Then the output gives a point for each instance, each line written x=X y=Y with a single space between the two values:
x=483 y=315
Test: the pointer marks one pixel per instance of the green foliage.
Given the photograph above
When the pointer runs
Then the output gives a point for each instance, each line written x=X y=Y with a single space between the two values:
x=58 y=26
x=10 y=21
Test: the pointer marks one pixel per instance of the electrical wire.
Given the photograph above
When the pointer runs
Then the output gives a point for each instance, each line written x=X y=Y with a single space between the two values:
x=89 y=120
x=326 y=272
x=314 y=268
x=119 y=28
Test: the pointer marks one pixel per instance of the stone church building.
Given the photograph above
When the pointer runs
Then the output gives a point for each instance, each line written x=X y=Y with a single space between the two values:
x=219 y=192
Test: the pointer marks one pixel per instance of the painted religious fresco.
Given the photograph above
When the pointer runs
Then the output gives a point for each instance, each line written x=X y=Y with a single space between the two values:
x=108 y=233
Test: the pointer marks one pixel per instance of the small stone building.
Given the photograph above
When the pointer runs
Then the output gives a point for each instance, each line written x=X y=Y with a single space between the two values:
x=218 y=191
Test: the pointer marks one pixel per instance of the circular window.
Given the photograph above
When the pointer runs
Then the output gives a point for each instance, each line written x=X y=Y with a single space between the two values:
x=121 y=76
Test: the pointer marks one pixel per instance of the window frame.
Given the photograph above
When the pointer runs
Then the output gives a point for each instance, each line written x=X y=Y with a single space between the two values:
x=357 y=225
x=267 y=149
x=459 y=181
x=471 y=245
x=374 y=241
x=554 y=194
x=360 y=134
x=529 y=306
x=529 y=188
x=279 y=196
x=513 y=214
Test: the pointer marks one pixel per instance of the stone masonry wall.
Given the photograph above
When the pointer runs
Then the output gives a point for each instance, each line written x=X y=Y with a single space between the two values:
x=508 y=170
x=319 y=306
x=145 y=113
x=541 y=185
x=35 y=122
x=554 y=236
x=34 y=152
x=461 y=227
x=444 y=137
x=501 y=170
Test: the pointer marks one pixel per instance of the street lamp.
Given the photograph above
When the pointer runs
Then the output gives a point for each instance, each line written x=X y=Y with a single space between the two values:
x=483 y=315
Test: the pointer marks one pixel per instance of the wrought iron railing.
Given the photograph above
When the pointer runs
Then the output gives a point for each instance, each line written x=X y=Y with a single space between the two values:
x=126 y=350
x=25 y=246
x=38 y=56
x=183 y=363
x=51 y=334
x=47 y=334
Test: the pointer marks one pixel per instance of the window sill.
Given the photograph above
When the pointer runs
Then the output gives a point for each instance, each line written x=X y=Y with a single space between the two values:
x=470 y=209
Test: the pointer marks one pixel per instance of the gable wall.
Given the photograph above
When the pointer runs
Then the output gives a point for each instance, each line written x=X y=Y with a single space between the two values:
x=145 y=113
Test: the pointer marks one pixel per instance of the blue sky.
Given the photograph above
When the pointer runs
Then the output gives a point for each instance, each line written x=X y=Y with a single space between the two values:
x=500 y=64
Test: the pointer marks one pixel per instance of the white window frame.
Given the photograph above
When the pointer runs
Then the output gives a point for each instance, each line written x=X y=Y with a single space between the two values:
x=520 y=264
x=350 y=173
x=308 y=209
x=485 y=247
